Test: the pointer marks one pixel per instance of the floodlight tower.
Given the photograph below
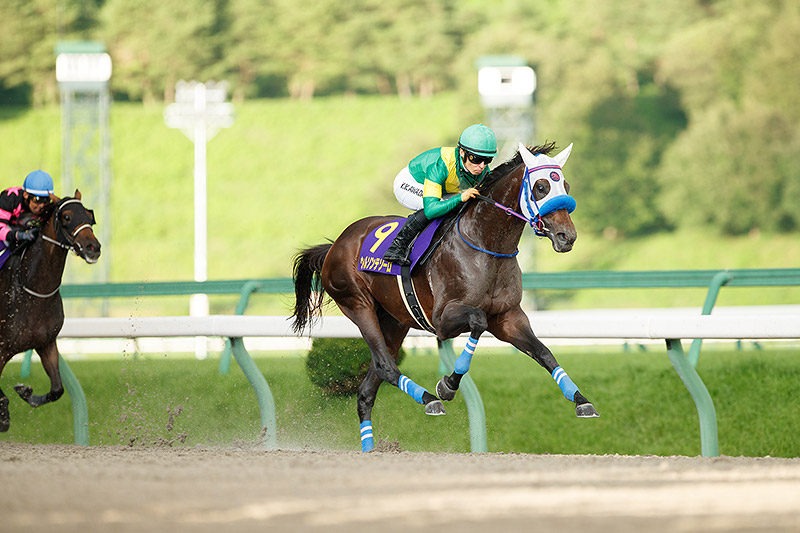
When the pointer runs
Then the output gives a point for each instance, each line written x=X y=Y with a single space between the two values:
x=83 y=70
x=506 y=85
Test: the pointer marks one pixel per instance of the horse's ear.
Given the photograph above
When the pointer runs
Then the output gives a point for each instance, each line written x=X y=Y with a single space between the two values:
x=563 y=155
x=527 y=156
x=55 y=199
x=78 y=193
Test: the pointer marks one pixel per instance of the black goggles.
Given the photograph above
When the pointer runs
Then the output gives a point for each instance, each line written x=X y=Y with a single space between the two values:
x=478 y=159
x=39 y=199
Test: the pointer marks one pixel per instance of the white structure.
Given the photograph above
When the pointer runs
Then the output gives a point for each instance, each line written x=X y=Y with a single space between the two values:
x=199 y=111
x=506 y=86
x=83 y=72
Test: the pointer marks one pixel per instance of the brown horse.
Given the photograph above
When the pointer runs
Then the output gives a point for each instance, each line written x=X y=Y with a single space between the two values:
x=472 y=283
x=31 y=309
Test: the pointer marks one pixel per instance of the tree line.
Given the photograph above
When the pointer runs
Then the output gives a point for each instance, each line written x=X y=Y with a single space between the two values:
x=682 y=112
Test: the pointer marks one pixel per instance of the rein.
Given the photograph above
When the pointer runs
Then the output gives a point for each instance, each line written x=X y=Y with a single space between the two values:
x=474 y=247
x=69 y=245
x=536 y=222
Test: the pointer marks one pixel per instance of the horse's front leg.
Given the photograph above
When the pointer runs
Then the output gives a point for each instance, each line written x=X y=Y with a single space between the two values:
x=515 y=328
x=456 y=318
x=49 y=357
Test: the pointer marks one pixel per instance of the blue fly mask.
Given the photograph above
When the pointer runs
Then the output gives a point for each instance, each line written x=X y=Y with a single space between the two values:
x=543 y=167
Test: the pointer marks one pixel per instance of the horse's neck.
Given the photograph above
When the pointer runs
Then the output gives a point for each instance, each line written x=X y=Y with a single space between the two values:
x=42 y=264
x=490 y=223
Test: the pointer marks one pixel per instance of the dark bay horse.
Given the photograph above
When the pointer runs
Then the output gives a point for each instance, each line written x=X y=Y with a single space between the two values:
x=31 y=311
x=472 y=283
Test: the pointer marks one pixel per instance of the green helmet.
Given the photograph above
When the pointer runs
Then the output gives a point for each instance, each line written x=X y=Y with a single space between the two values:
x=479 y=139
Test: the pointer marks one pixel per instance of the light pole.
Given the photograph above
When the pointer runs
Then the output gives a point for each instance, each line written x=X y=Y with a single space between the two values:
x=199 y=111
x=506 y=85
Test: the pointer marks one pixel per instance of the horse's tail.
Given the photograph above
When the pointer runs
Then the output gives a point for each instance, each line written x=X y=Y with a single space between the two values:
x=308 y=290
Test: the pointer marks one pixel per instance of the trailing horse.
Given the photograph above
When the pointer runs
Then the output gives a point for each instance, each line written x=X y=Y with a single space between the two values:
x=471 y=283
x=31 y=311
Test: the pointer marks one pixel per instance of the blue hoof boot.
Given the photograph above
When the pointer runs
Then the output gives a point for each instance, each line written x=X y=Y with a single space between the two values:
x=586 y=410
x=435 y=408
x=444 y=392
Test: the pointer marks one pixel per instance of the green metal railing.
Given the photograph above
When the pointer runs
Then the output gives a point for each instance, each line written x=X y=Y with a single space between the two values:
x=685 y=365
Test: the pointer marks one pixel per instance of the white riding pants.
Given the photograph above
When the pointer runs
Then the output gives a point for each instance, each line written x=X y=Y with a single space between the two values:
x=408 y=191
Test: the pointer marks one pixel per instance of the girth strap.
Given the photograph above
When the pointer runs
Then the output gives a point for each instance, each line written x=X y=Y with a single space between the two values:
x=410 y=300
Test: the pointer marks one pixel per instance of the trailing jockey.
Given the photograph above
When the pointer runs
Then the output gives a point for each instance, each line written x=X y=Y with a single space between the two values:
x=20 y=208
x=439 y=180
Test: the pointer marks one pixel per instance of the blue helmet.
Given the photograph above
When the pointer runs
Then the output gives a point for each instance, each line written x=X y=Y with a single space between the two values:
x=38 y=183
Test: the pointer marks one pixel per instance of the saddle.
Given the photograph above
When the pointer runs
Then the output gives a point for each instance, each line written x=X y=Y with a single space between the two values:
x=370 y=258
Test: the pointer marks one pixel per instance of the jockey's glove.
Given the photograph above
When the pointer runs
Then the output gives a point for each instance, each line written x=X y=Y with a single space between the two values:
x=28 y=235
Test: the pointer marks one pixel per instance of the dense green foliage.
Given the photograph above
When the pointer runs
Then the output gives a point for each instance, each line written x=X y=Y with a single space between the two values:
x=290 y=174
x=644 y=407
x=683 y=112
x=338 y=366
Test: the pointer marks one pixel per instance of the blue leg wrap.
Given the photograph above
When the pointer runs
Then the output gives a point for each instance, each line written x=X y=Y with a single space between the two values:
x=367 y=443
x=567 y=386
x=411 y=388
x=464 y=360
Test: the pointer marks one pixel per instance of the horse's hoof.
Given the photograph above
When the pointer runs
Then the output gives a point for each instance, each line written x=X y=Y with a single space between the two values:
x=444 y=392
x=586 y=410
x=435 y=408
x=24 y=391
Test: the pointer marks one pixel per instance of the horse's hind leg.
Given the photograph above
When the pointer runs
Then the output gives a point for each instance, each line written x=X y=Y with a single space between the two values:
x=513 y=327
x=49 y=357
x=366 y=399
x=455 y=318
x=385 y=366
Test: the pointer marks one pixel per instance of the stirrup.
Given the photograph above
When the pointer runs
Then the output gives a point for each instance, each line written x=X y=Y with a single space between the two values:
x=400 y=258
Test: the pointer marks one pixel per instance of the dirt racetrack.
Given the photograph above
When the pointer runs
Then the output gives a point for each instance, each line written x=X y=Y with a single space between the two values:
x=116 y=489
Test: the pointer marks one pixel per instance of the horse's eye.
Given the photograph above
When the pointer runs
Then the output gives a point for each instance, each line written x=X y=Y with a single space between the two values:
x=566 y=187
x=540 y=189
x=67 y=218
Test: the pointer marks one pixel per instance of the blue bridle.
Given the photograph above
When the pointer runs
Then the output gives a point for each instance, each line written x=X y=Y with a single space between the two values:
x=558 y=201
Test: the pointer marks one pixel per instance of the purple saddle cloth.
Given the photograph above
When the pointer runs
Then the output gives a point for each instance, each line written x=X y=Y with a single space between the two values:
x=5 y=253
x=378 y=241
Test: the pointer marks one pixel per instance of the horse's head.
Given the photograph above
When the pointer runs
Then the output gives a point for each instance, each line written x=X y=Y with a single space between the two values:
x=544 y=197
x=70 y=226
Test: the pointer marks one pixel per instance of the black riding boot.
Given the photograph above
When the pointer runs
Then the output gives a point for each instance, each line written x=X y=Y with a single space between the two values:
x=400 y=250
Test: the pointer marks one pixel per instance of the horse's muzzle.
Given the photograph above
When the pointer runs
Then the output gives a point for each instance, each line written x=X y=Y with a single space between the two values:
x=563 y=241
x=560 y=230
x=90 y=251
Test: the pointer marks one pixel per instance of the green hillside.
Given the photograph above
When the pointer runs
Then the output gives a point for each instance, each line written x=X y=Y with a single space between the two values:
x=290 y=174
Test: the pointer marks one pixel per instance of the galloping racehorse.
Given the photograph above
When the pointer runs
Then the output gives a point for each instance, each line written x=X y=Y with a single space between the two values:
x=472 y=283
x=30 y=304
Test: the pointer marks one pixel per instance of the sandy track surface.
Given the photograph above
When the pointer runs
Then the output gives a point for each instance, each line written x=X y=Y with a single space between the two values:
x=72 y=488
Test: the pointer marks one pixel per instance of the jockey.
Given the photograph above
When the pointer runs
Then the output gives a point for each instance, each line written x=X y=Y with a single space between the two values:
x=20 y=208
x=438 y=181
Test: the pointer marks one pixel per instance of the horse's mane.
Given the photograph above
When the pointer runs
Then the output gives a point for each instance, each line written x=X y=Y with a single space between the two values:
x=504 y=168
x=48 y=211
